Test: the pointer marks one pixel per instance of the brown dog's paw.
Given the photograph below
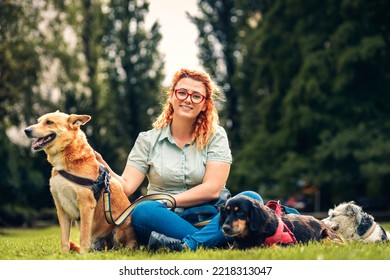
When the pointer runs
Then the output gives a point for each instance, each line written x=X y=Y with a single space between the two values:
x=74 y=247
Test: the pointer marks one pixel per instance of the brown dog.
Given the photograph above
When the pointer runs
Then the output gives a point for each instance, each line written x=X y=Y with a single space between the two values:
x=67 y=149
x=252 y=224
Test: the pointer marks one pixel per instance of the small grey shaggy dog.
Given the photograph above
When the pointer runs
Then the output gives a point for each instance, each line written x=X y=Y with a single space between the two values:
x=352 y=223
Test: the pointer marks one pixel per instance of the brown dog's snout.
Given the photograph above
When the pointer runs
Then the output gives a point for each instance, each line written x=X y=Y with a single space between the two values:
x=28 y=131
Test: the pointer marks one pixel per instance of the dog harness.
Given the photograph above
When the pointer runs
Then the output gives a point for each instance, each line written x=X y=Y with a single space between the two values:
x=95 y=185
x=283 y=234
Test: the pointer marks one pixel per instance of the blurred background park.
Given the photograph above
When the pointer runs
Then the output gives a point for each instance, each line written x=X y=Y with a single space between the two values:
x=306 y=86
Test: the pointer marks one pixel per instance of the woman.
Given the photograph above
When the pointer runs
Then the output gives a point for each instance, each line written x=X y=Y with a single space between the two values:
x=187 y=155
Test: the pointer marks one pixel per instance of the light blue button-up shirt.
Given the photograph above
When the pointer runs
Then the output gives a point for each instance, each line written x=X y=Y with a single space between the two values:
x=171 y=169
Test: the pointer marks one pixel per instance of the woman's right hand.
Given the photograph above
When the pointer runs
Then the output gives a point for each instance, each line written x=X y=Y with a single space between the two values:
x=100 y=159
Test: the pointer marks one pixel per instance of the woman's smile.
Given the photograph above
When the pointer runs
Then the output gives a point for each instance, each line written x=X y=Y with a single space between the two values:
x=186 y=108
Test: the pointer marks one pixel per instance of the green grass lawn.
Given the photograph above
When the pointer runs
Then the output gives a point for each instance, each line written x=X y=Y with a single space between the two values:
x=44 y=244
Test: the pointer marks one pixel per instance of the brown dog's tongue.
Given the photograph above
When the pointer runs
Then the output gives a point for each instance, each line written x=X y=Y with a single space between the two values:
x=40 y=142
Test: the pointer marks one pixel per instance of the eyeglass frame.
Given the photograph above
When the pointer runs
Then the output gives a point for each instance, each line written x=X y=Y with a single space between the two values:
x=190 y=95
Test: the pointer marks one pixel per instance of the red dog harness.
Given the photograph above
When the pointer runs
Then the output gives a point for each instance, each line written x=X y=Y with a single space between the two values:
x=283 y=234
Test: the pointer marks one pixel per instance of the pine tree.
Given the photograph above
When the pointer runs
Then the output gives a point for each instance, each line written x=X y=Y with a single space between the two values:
x=89 y=57
x=134 y=74
x=218 y=43
x=317 y=76
x=20 y=68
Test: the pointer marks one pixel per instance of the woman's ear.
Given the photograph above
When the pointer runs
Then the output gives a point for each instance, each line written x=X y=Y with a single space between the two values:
x=171 y=96
x=205 y=105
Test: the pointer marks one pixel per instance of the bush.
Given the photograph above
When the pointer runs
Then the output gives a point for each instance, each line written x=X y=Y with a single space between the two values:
x=15 y=216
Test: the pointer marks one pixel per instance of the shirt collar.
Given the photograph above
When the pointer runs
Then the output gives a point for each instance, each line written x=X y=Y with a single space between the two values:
x=166 y=134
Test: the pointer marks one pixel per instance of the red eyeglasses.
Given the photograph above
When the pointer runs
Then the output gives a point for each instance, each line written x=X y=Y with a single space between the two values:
x=182 y=94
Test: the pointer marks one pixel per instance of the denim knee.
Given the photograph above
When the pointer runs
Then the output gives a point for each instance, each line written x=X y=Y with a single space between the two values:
x=253 y=195
x=145 y=210
x=142 y=219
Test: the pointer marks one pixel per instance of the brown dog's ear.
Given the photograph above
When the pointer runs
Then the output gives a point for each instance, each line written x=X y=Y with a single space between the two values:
x=78 y=120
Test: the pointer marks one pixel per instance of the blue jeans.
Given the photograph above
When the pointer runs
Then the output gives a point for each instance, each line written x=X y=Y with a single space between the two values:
x=152 y=215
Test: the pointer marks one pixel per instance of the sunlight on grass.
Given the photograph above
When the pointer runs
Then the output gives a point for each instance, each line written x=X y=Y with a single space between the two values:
x=44 y=244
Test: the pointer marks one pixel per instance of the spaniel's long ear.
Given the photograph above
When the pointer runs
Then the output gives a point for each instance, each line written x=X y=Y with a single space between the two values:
x=257 y=216
x=222 y=214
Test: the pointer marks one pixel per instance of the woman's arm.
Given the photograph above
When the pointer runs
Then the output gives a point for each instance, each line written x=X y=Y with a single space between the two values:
x=214 y=180
x=131 y=177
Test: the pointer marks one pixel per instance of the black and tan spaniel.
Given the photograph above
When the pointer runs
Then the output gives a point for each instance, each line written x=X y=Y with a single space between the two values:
x=252 y=224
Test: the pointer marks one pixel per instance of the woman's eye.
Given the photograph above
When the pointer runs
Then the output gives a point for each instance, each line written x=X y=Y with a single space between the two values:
x=196 y=97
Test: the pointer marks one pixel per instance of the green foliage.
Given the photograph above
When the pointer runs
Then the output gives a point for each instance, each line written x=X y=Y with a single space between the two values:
x=44 y=244
x=23 y=179
x=134 y=75
x=19 y=61
x=73 y=56
x=315 y=78
x=218 y=43
x=306 y=85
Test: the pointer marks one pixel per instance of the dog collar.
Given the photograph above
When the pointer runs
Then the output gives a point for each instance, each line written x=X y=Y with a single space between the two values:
x=369 y=231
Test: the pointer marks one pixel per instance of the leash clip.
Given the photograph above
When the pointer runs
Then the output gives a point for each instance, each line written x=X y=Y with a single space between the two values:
x=107 y=179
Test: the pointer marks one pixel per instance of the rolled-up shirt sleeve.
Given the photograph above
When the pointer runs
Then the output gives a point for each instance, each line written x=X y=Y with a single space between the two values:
x=218 y=148
x=139 y=154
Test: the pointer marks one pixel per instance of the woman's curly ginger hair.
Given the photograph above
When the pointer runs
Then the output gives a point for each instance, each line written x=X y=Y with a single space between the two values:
x=204 y=125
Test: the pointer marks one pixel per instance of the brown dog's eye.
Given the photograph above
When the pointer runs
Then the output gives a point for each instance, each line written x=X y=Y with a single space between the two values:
x=49 y=122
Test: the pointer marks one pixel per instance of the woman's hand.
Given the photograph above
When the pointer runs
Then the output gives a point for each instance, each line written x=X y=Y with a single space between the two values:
x=99 y=158
x=210 y=189
x=131 y=178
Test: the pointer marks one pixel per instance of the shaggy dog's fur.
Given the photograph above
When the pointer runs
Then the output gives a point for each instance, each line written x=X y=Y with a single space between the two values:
x=66 y=146
x=250 y=223
x=352 y=223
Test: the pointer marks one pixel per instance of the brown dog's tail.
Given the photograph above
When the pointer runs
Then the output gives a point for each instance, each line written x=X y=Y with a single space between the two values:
x=332 y=236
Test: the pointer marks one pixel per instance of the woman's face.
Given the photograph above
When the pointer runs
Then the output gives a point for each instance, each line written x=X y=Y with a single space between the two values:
x=191 y=105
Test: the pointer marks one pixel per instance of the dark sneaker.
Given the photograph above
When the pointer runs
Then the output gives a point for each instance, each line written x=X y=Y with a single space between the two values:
x=158 y=240
x=289 y=210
